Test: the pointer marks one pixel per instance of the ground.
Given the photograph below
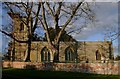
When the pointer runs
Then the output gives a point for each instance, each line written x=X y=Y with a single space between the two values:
x=35 y=74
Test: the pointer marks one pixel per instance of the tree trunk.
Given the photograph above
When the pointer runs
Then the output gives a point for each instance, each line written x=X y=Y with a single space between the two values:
x=56 y=53
x=30 y=34
x=29 y=50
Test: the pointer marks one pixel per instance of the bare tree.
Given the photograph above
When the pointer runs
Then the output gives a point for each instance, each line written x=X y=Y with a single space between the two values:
x=59 y=15
x=112 y=32
x=25 y=10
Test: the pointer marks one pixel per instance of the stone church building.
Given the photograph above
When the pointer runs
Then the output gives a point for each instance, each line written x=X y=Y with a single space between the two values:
x=68 y=51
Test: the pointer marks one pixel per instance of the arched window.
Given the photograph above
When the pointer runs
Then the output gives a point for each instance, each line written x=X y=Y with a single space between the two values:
x=98 y=56
x=21 y=26
x=45 y=55
x=69 y=55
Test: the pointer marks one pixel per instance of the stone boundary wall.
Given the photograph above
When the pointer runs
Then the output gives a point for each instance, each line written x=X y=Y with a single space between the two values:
x=98 y=68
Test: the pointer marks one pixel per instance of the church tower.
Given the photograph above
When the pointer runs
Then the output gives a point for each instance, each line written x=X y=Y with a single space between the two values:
x=20 y=33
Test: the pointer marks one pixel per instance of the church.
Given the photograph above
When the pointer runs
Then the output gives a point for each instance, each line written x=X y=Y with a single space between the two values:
x=80 y=51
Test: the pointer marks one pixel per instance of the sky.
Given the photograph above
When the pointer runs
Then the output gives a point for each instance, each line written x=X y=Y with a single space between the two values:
x=107 y=16
x=107 y=19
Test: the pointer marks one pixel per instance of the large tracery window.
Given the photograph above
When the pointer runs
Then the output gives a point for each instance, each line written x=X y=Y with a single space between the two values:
x=98 y=55
x=45 y=55
x=69 y=55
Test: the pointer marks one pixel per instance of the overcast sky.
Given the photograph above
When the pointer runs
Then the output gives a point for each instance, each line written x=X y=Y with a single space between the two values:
x=107 y=18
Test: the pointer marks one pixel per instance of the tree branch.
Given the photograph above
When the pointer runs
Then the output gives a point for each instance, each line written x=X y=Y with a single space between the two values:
x=12 y=36
x=45 y=24
x=6 y=3
x=48 y=5
x=11 y=10
x=36 y=20
x=68 y=21
x=58 y=9
x=75 y=31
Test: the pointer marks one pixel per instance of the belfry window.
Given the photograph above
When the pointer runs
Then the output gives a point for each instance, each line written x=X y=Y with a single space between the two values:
x=69 y=55
x=21 y=26
x=45 y=55
x=98 y=56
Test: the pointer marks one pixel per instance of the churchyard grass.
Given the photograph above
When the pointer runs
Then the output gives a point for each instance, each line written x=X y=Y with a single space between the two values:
x=35 y=74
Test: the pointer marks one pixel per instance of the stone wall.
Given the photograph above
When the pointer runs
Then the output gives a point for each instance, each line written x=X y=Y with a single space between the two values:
x=98 y=68
x=82 y=51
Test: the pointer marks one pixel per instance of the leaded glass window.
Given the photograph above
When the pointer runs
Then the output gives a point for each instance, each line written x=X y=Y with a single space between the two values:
x=45 y=55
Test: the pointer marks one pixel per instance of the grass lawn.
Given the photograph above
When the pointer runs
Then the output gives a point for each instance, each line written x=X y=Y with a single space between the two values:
x=33 y=74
